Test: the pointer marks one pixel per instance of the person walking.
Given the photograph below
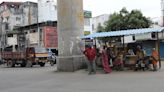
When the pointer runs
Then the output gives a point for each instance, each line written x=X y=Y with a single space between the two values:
x=90 y=53
x=105 y=63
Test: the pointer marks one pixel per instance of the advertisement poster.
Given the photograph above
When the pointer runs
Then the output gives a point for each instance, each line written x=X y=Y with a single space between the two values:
x=50 y=37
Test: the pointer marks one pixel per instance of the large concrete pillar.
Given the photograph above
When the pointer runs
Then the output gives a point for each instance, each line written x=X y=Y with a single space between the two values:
x=70 y=29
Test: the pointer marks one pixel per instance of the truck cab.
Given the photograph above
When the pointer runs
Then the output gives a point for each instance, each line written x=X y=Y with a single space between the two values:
x=37 y=55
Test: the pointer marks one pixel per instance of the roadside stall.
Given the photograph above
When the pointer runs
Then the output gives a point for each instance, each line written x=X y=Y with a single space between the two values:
x=130 y=59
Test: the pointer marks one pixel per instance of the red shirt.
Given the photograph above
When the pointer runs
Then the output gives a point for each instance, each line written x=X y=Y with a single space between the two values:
x=90 y=53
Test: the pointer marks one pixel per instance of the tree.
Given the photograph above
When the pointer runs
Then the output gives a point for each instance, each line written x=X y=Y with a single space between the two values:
x=127 y=20
x=124 y=20
x=100 y=28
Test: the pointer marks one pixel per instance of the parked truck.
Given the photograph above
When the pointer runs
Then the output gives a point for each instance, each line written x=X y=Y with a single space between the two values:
x=27 y=58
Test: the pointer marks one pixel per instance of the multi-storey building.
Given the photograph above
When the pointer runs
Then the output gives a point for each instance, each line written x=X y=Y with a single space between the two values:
x=29 y=13
x=99 y=20
x=10 y=13
x=47 y=11
x=13 y=15
x=16 y=14
x=30 y=20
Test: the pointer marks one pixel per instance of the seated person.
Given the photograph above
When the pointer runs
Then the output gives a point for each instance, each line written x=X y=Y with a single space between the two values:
x=118 y=62
x=140 y=64
x=154 y=59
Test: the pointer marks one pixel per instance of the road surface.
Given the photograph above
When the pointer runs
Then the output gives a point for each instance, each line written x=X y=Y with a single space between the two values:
x=45 y=79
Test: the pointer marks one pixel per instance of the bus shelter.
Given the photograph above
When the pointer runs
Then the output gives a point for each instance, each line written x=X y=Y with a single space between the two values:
x=122 y=33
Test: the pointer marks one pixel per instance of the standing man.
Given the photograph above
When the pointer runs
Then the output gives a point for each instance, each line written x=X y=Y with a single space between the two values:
x=90 y=53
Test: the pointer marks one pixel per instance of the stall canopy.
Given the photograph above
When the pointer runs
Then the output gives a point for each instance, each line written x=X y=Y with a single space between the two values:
x=125 y=32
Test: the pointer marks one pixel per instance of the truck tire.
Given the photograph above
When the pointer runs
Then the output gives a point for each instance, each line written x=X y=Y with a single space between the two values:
x=52 y=63
x=42 y=64
x=29 y=64
x=23 y=64
x=10 y=63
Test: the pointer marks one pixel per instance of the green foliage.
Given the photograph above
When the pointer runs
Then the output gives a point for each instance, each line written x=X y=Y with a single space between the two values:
x=124 y=20
x=100 y=28
x=127 y=20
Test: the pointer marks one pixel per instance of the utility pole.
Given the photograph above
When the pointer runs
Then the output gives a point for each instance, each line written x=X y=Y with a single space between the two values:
x=70 y=29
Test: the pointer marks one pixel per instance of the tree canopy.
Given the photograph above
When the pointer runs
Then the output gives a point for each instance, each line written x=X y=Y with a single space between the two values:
x=127 y=20
x=124 y=20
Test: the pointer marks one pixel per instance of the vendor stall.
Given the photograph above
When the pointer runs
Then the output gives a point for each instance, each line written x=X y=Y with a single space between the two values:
x=121 y=33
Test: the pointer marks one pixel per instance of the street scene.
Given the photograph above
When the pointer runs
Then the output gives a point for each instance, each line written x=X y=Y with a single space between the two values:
x=79 y=46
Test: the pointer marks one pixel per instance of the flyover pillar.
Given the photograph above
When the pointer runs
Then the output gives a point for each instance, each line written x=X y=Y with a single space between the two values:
x=70 y=29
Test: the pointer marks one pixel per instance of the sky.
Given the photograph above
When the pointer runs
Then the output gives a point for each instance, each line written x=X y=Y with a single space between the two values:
x=150 y=8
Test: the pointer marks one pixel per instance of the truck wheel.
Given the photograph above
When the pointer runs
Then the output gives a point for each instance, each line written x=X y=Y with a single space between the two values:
x=23 y=64
x=29 y=64
x=51 y=63
x=42 y=64
x=10 y=63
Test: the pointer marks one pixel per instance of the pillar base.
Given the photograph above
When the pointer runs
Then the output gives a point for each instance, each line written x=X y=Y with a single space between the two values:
x=71 y=63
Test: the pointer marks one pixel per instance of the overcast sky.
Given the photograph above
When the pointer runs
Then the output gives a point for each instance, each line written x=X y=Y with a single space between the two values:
x=150 y=8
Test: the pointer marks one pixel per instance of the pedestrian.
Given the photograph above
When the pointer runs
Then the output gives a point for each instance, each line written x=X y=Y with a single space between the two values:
x=154 y=59
x=90 y=53
x=110 y=56
x=105 y=63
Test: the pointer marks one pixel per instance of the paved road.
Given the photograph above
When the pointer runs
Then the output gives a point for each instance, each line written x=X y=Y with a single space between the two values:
x=45 y=79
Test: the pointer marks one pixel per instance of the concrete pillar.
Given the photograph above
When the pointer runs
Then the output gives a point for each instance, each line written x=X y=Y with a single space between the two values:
x=70 y=29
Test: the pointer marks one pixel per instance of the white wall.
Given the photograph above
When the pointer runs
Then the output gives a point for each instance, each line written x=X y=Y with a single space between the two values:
x=99 y=19
x=12 y=40
x=47 y=10
x=33 y=38
x=143 y=36
x=128 y=39
x=88 y=27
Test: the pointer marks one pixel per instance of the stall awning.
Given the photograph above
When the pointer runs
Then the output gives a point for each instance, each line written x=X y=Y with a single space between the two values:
x=125 y=32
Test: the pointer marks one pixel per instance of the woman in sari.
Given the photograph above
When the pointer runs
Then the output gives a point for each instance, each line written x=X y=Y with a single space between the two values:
x=105 y=63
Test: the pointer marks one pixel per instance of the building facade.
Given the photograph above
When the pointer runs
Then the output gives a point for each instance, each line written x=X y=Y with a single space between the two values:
x=10 y=13
x=29 y=36
x=29 y=13
x=28 y=21
x=47 y=10
x=99 y=20
x=14 y=15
